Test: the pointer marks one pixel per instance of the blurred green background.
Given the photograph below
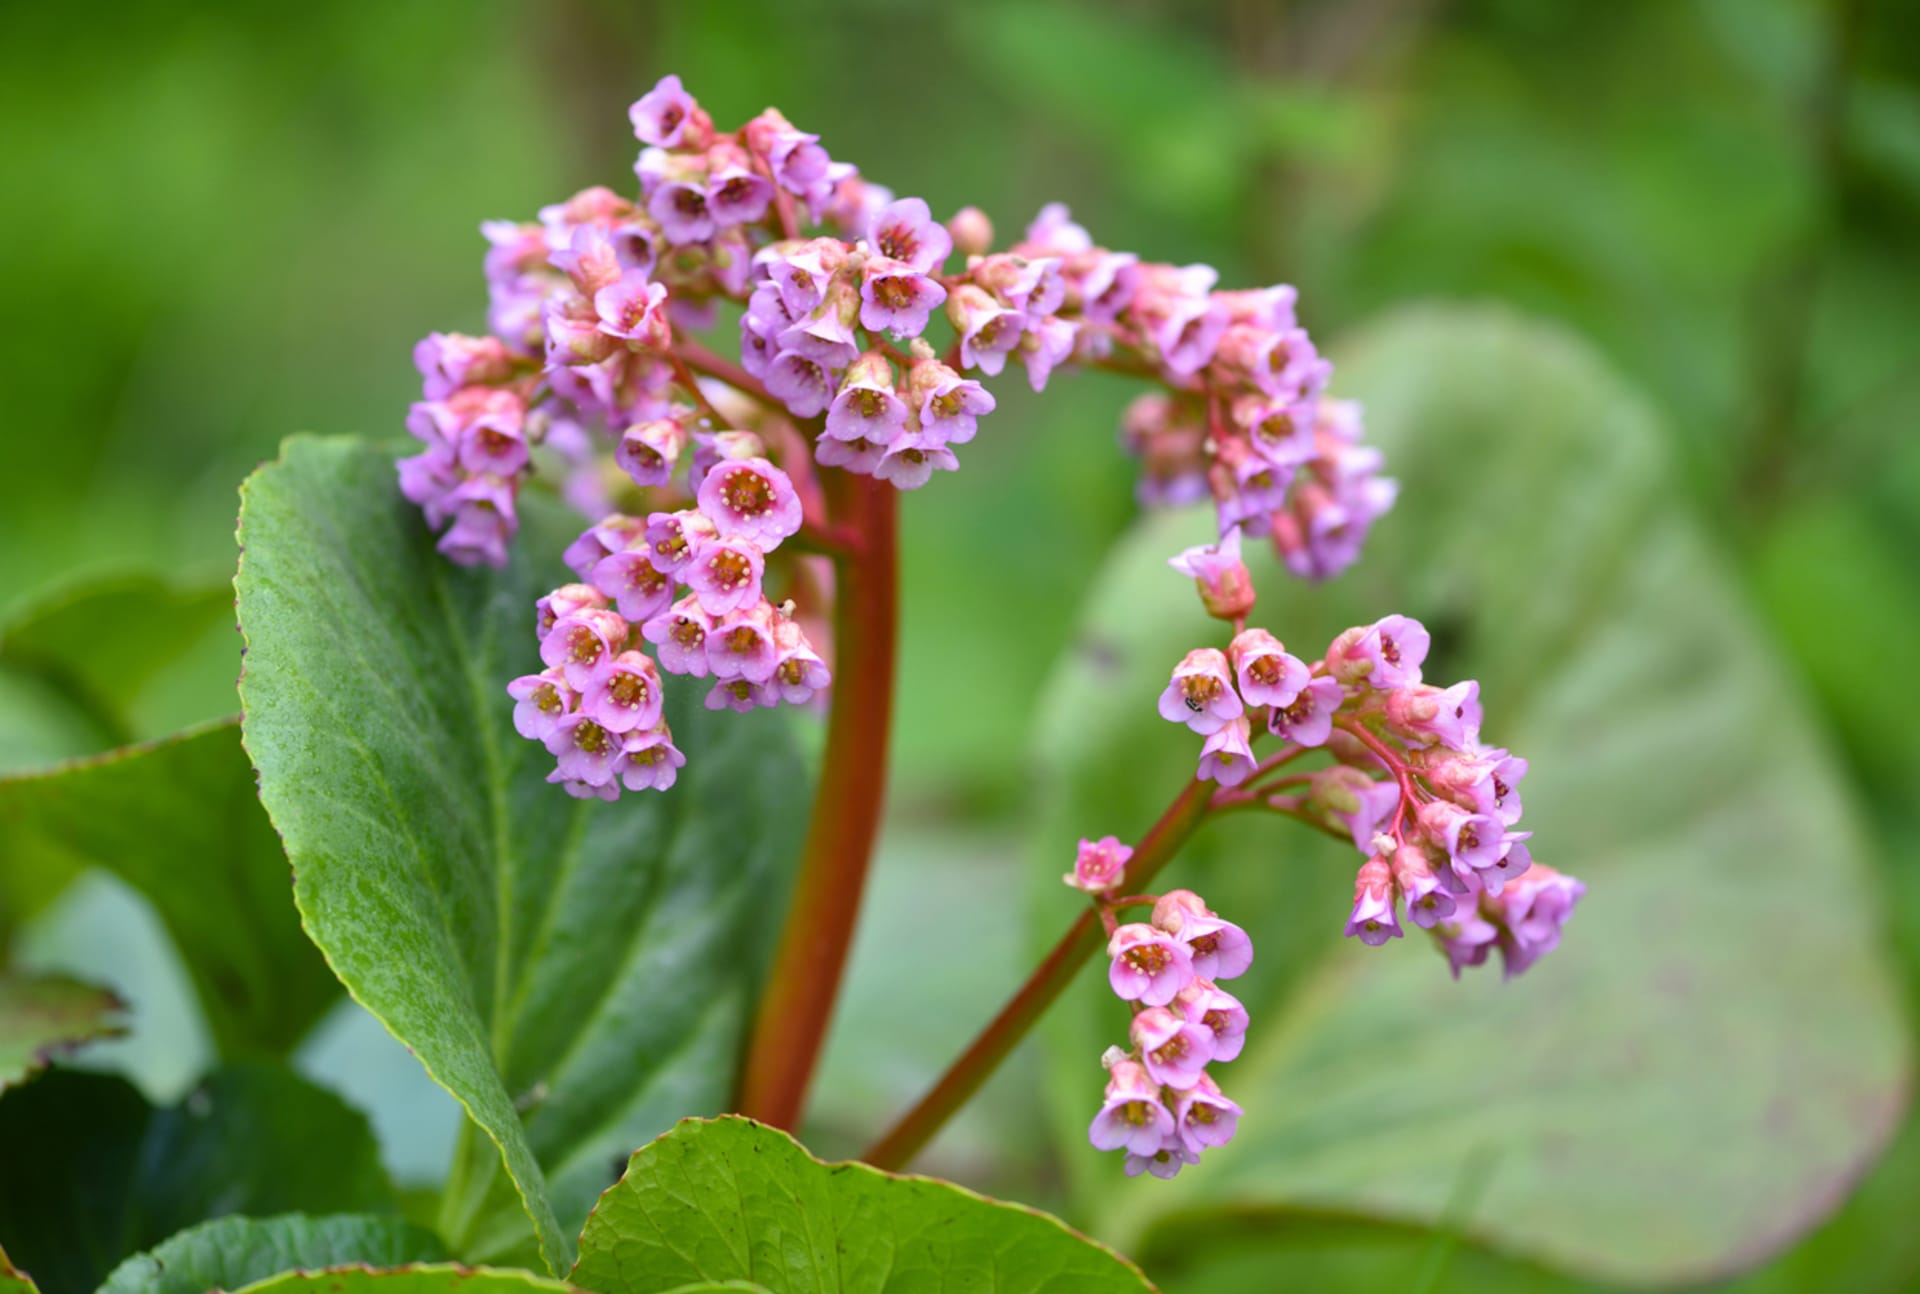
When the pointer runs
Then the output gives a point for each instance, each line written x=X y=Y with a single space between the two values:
x=226 y=222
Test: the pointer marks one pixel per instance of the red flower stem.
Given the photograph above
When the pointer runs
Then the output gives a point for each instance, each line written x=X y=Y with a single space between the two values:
x=701 y=360
x=805 y=976
x=964 y=1077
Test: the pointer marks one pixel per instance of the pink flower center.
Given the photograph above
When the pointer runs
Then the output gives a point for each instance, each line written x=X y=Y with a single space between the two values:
x=584 y=645
x=1137 y=1113
x=1172 y=1051
x=730 y=571
x=893 y=292
x=591 y=738
x=747 y=492
x=688 y=633
x=546 y=699
x=742 y=640
x=1199 y=691
x=1264 y=669
x=629 y=690
x=1148 y=959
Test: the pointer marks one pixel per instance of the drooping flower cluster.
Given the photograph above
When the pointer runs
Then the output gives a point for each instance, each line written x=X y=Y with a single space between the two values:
x=1161 y=1105
x=588 y=305
x=1434 y=809
x=688 y=582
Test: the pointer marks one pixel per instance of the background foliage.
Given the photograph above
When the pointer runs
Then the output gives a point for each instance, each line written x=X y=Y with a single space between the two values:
x=225 y=222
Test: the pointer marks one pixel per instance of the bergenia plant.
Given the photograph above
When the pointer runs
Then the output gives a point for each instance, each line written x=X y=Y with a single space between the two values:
x=742 y=542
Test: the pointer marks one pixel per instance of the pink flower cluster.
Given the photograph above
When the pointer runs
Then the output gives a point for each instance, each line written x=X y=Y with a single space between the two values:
x=1161 y=1105
x=474 y=421
x=1433 y=807
x=689 y=582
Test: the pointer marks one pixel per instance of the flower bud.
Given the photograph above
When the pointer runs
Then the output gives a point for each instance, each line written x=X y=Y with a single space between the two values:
x=972 y=231
x=1101 y=865
x=1221 y=578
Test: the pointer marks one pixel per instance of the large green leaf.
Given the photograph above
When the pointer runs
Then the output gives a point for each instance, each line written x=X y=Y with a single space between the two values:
x=578 y=975
x=1715 y=1052
x=734 y=1199
x=43 y=1015
x=230 y=1252
x=422 y=1278
x=177 y=819
x=94 y=1173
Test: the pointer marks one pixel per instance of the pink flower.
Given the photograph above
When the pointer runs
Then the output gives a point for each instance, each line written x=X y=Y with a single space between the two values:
x=579 y=642
x=988 y=330
x=667 y=117
x=1373 y=920
x=672 y=538
x=1100 y=866
x=725 y=574
x=1266 y=674
x=631 y=308
x=623 y=694
x=680 y=632
x=1175 y=1050
x=1046 y=345
x=1132 y=1114
x=735 y=195
x=802 y=384
x=653 y=762
x=1309 y=720
x=800 y=276
x=751 y=497
x=649 y=450
x=866 y=407
x=860 y=457
x=1219 y=949
x=897 y=297
x=1385 y=654
x=1164 y=1163
x=680 y=206
x=906 y=231
x=587 y=752
x=741 y=695
x=1474 y=841
x=541 y=701
x=611 y=534
x=911 y=461
x=798 y=673
x=638 y=589
x=1533 y=910
x=564 y=601
x=1227 y=757
x=1377 y=801
x=1219 y=1012
x=448 y=361
x=1224 y=583
x=1413 y=876
x=1148 y=965
x=1200 y=694
x=949 y=406
x=826 y=334
x=741 y=645
x=798 y=163
x=1205 y=1116
x=1466 y=937
x=1421 y=714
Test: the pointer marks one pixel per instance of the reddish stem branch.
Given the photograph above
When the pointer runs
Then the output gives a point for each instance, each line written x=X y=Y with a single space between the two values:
x=701 y=360
x=797 y=1006
x=964 y=1077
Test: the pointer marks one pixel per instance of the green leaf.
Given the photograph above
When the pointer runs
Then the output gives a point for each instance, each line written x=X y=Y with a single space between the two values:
x=142 y=656
x=230 y=1252
x=424 y=1278
x=178 y=820
x=94 y=1173
x=734 y=1199
x=577 y=975
x=1654 y=1102
x=44 y=1015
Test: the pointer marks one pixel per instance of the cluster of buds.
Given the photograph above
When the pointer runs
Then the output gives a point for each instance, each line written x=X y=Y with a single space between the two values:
x=1161 y=1105
x=688 y=582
